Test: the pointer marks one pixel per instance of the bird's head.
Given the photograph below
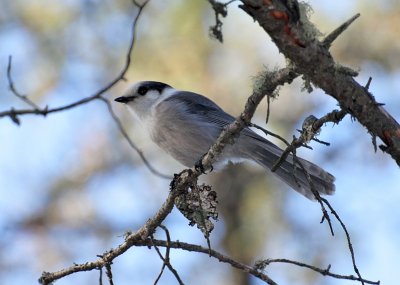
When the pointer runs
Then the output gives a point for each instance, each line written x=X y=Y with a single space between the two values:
x=143 y=95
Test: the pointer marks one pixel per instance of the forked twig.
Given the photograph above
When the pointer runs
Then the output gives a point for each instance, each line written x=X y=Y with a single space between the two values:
x=166 y=259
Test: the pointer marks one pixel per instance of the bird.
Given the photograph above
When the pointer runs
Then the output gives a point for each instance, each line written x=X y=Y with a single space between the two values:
x=185 y=124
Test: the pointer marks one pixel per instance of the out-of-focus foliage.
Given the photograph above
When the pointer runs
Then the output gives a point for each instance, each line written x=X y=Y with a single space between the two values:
x=375 y=39
x=70 y=185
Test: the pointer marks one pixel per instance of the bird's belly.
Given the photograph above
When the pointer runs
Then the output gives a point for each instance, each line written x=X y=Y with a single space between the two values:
x=187 y=144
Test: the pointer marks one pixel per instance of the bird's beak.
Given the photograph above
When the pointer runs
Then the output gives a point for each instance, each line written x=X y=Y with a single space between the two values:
x=123 y=99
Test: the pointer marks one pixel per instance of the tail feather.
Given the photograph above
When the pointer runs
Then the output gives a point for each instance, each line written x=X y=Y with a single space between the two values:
x=266 y=154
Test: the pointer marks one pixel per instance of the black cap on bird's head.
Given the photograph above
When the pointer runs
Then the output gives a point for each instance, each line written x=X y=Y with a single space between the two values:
x=141 y=89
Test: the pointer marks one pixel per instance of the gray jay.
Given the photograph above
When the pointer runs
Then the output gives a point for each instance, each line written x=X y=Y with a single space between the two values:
x=186 y=124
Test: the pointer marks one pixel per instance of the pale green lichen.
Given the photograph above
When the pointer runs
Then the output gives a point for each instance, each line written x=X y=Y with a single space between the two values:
x=260 y=82
x=310 y=31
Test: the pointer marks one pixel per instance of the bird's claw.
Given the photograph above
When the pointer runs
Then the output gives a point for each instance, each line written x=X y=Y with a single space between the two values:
x=174 y=181
x=200 y=167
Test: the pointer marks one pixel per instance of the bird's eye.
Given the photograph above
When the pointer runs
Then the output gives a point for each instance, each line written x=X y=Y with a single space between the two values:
x=142 y=90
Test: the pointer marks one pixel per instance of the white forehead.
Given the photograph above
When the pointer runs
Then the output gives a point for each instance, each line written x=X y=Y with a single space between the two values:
x=131 y=90
x=156 y=90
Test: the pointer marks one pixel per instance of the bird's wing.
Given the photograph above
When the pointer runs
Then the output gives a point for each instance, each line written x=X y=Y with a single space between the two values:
x=210 y=112
x=200 y=106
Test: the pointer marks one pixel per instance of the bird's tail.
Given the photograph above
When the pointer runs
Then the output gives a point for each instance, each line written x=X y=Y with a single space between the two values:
x=266 y=154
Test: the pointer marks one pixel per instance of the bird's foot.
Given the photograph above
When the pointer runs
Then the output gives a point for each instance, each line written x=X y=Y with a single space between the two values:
x=200 y=167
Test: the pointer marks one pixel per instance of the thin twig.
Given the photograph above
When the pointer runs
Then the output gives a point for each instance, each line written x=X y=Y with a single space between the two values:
x=162 y=258
x=13 y=114
x=221 y=257
x=350 y=245
x=329 y=39
x=14 y=90
x=256 y=272
x=309 y=133
x=325 y=272
x=109 y=272
x=121 y=76
x=269 y=133
x=268 y=109
x=166 y=260
x=311 y=127
x=368 y=83
x=323 y=201
x=101 y=276
x=220 y=9
x=335 y=116
x=316 y=194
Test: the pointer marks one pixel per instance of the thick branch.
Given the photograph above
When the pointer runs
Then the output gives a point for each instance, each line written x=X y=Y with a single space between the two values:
x=131 y=239
x=271 y=82
x=313 y=59
x=182 y=181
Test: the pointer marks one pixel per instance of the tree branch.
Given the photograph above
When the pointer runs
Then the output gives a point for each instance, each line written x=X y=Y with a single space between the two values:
x=184 y=180
x=14 y=90
x=130 y=239
x=46 y=110
x=221 y=257
x=311 y=127
x=166 y=259
x=256 y=270
x=270 y=82
x=325 y=272
x=313 y=59
x=36 y=110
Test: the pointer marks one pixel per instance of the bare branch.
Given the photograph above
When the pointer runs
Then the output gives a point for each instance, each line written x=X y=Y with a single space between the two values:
x=101 y=276
x=327 y=42
x=311 y=127
x=221 y=257
x=130 y=239
x=14 y=90
x=314 y=60
x=109 y=273
x=162 y=258
x=36 y=110
x=325 y=272
x=256 y=270
x=166 y=260
x=271 y=82
x=269 y=133
x=13 y=114
x=350 y=245
x=182 y=181
x=220 y=9
x=188 y=177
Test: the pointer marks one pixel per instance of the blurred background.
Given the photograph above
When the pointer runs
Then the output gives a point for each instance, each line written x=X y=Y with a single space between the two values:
x=70 y=185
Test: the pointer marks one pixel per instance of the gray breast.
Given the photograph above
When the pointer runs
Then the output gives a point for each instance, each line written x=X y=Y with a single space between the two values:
x=182 y=130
